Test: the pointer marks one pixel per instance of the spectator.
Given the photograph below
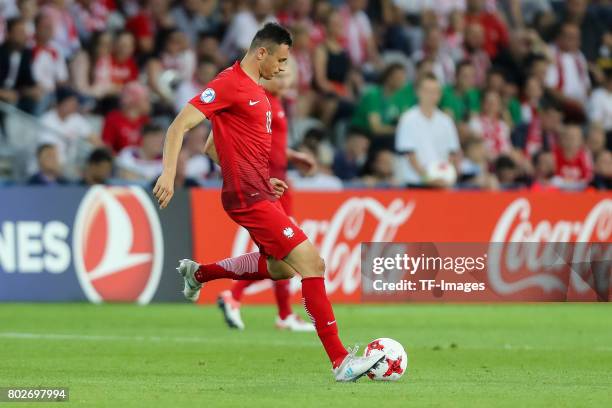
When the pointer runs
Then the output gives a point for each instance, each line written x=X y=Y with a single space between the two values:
x=124 y=68
x=90 y=17
x=474 y=170
x=303 y=178
x=333 y=74
x=98 y=168
x=496 y=82
x=68 y=129
x=204 y=73
x=397 y=35
x=589 y=21
x=198 y=166
x=298 y=13
x=181 y=180
x=462 y=100
x=208 y=48
x=543 y=133
x=532 y=98
x=196 y=16
x=507 y=173
x=358 y=36
x=143 y=163
x=304 y=70
x=16 y=82
x=568 y=76
x=65 y=35
x=490 y=126
x=244 y=25
x=48 y=64
x=544 y=172
x=176 y=57
x=573 y=162
x=381 y=105
x=602 y=179
x=28 y=11
x=92 y=69
x=443 y=64
x=596 y=139
x=49 y=168
x=475 y=53
x=454 y=35
x=495 y=31
x=349 y=161
x=152 y=17
x=425 y=135
x=122 y=127
x=600 y=104
x=382 y=170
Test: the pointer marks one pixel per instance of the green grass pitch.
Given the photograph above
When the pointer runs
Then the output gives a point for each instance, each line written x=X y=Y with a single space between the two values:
x=528 y=355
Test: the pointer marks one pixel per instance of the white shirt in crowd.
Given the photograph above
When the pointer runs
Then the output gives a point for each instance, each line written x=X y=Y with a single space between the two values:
x=185 y=91
x=431 y=139
x=600 y=108
x=318 y=181
x=131 y=160
x=569 y=73
x=48 y=67
x=65 y=133
x=241 y=31
x=358 y=30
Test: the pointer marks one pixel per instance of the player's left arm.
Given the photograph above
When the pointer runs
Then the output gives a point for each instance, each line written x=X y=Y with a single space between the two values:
x=188 y=118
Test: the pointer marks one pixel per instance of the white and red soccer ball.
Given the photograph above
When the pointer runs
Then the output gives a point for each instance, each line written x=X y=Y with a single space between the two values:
x=394 y=365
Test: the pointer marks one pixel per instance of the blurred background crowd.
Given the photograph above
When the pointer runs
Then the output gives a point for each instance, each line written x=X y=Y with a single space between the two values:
x=471 y=94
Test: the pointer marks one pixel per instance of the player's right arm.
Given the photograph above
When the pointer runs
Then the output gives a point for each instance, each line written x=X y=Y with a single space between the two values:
x=188 y=118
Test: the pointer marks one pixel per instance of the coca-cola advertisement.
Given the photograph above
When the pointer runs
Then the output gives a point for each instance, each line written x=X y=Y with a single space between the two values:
x=519 y=233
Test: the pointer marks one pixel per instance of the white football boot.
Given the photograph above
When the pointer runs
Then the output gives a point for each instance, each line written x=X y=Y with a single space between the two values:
x=230 y=308
x=187 y=268
x=353 y=368
x=294 y=323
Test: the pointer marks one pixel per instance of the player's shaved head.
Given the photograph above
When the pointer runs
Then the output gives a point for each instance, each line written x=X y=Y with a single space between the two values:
x=270 y=50
x=271 y=36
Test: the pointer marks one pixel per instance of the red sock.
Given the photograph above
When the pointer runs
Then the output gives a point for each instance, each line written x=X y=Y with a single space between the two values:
x=249 y=266
x=320 y=311
x=281 y=293
x=238 y=288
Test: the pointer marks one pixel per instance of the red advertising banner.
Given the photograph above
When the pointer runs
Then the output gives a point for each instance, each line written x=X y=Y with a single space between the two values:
x=338 y=222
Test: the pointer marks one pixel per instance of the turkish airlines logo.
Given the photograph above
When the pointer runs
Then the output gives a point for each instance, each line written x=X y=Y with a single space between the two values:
x=118 y=245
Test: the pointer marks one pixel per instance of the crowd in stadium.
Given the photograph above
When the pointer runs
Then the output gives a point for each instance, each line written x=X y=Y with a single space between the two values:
x=514 y=94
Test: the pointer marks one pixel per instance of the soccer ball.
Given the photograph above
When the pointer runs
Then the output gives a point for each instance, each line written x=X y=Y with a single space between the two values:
x=393 y=366
x=442 y=170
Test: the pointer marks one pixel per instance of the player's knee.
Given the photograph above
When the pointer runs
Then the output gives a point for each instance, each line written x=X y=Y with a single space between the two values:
x=319 y=269
x=284 y=273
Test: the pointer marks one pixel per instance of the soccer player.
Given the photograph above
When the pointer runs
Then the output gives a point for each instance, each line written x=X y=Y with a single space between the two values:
x=229 y=300
x=241 y=118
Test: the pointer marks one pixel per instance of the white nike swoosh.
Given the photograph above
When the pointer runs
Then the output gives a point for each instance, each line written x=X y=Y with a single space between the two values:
x=330 y=323
x=251 y=103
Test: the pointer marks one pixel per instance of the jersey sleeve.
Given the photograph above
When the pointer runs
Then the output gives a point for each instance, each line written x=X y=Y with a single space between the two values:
x=219 y=95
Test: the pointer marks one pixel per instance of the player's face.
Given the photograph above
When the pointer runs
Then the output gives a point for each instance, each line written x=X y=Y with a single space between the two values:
x=274 y=62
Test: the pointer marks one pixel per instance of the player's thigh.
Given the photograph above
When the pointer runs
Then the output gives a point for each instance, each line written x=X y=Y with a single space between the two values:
x=280 y=269
x=305 y=259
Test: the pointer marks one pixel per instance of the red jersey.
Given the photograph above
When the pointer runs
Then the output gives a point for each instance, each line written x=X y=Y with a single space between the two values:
x=278 y=152
x=123 y=72
x=241 y=118
x=120 y=131
x=577 y=168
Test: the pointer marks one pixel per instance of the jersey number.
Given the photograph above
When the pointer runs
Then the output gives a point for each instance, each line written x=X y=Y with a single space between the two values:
x=269 y=121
